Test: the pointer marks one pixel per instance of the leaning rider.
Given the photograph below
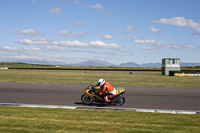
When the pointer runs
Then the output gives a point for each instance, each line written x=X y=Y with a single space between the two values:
x=106 y=87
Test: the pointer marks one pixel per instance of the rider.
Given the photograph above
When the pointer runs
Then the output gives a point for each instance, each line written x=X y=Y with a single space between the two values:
x=106 y=87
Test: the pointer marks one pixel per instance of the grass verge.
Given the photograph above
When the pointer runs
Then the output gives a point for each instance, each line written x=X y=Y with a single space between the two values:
x=19 y=119
x=139 y=78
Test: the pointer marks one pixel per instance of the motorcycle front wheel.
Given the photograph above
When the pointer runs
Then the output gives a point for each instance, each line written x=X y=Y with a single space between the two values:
x=86 y=100
x=119 y=100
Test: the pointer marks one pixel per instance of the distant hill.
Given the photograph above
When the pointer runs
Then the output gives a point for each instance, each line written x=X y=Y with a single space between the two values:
x=152 y=65
x=104 y=63
x=129 y=64
x=183 y=64
x=93 y=63
x=132 y=64
x=97 y=63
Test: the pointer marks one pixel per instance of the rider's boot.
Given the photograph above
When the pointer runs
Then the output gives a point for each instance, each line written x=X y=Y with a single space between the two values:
x=108 y=101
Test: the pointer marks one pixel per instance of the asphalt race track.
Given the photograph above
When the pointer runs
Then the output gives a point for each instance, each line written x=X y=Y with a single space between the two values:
x=146 y=97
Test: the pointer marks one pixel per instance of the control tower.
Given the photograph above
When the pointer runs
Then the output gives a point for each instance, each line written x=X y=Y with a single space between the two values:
x=170 y=64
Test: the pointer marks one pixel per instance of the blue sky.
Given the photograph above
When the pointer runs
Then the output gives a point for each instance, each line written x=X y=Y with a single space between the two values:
x=116 y=31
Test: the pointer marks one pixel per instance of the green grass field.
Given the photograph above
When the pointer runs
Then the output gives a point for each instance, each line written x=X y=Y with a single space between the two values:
x=18 y=119
x=139 y=78
x=43 y=120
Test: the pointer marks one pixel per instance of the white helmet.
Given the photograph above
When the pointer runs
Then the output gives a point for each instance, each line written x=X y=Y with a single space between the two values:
x=101 y=82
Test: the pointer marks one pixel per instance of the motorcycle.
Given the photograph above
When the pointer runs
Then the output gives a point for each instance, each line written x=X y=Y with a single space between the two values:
x=91 y=95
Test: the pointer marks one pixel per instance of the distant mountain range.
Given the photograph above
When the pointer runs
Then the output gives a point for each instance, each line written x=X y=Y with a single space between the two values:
x=189 y=64
x=132 y=64
x=93 y=63
x=107 y=64
x=128 y=64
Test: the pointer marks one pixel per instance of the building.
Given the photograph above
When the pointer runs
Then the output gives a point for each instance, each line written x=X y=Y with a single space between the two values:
x=170 y=64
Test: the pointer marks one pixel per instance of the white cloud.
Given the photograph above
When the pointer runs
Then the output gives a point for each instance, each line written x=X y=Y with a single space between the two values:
x=94 y=44
x=172 y=46
x=79 y=23
x=131 y=38
x=153 y=29
x=129 y=29
x=10 y=49
x=55 y=10
x=149 y=48
x=34 y=58
x=32 y=49
x=35 y=41
x=175 y=21
x=17 y=50
x=55 y=48
x=157 y=45
x=80 y=34
x=143 y=41
x=166 y=45
x=101 y=44
x=35 y=49
x=109 y=37
x=65 y=33
x=25 y=32
x=76 y=43
x=71 y=43
x=192 y=46
x=181 y=22
x=172 y=38
x=97 y=6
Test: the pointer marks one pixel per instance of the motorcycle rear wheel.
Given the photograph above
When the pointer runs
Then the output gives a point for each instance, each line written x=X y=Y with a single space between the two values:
x=86 y=100
x=119 y=100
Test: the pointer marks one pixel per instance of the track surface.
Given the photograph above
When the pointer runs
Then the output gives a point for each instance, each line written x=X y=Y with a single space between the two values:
x=147 y=97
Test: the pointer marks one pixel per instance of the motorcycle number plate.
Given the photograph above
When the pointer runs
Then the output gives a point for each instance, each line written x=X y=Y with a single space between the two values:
x=120 y=88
